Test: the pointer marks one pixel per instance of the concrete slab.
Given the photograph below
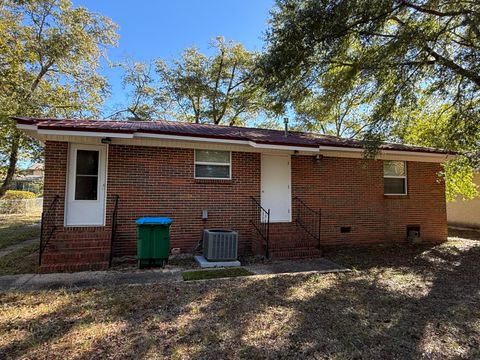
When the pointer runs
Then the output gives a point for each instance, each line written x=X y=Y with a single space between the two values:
x=86 y=279
x=320 y=265
x=33 y=282
x=204 y=263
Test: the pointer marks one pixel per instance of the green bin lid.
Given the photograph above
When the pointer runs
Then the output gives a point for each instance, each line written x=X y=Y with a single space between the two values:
x=154 y=221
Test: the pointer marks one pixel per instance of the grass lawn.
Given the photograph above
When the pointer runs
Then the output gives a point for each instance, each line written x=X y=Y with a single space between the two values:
x=17 y=228
x=215 y=273
x=21 y=261
x=399 y=303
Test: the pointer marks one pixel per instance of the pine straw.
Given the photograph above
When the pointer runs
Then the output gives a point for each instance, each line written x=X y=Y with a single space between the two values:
x=401 y=302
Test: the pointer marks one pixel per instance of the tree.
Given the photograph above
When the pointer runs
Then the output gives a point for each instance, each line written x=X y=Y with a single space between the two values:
x=428 y=125
x=402 y=48
x=343 y=114
x=49 y=54
x=144 y=104
x=198 y=88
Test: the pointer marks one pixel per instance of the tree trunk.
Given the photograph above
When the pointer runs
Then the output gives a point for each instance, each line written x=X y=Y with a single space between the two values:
x=12 y=163
x=12 y=160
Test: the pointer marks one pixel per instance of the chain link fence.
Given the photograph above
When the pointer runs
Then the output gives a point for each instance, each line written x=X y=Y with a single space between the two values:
x=21 y=206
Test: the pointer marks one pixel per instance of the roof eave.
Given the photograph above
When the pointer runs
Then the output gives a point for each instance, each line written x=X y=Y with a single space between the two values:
x=39 y=132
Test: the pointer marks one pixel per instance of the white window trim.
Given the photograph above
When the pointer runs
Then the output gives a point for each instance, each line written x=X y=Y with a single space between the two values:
x=398 y=177
x=229 y=164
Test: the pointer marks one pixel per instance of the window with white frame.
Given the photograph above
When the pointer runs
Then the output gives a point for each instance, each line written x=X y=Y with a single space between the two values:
x=395 y=177
x=213 y=164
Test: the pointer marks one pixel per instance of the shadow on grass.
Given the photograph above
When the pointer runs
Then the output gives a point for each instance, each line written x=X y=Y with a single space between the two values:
x=423 y=305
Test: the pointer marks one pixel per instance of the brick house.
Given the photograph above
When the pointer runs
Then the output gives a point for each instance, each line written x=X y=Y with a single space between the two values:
x=286 y=193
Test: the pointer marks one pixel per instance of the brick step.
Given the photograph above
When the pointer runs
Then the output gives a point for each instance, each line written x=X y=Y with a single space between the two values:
x=295 y=253
x=73 y=267
x=53 y=257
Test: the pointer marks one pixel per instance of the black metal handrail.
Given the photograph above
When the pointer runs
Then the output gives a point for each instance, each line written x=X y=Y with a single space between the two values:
x=48 y=226
x=261 y=222
x=308 y=219
x=114 y=228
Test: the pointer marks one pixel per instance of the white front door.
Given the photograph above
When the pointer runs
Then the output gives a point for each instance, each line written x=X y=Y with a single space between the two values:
x=276 y=187
x=86 y=178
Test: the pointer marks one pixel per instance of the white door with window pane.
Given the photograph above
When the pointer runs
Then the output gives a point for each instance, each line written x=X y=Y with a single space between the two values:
x=85 y=205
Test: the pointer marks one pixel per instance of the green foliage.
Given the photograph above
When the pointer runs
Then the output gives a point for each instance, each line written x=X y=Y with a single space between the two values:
x=459 y=176
x=406 y=71
x=428 y=125
x=197 y=88
x=18 y=195
x=338 y=113
x=400 y=50
x=49 y=54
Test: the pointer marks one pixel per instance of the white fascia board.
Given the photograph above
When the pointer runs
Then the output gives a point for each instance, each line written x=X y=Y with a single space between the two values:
x=415 y=153
x=85 y=133
x=284 y=147
x=225 y=141
x=392 y=152
x=26 y=127
x=189 y=138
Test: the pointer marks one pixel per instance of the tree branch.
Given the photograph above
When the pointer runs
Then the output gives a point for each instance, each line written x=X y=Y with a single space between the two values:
x=473 y=76
x=433 y=11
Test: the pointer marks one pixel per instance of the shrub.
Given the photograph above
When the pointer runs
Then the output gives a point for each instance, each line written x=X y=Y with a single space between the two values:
x=18 y=195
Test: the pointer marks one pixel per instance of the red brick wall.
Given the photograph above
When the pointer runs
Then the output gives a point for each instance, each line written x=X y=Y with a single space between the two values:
x=349 y=192
x=56 y=161
x=160 y=182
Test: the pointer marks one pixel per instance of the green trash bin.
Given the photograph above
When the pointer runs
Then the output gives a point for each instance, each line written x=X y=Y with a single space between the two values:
x=153 y=241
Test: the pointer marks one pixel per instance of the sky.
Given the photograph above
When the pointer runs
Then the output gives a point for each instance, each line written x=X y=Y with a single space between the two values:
x=151 y=29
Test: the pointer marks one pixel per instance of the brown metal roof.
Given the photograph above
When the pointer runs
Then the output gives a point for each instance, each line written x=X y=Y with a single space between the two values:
x=260 y=136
